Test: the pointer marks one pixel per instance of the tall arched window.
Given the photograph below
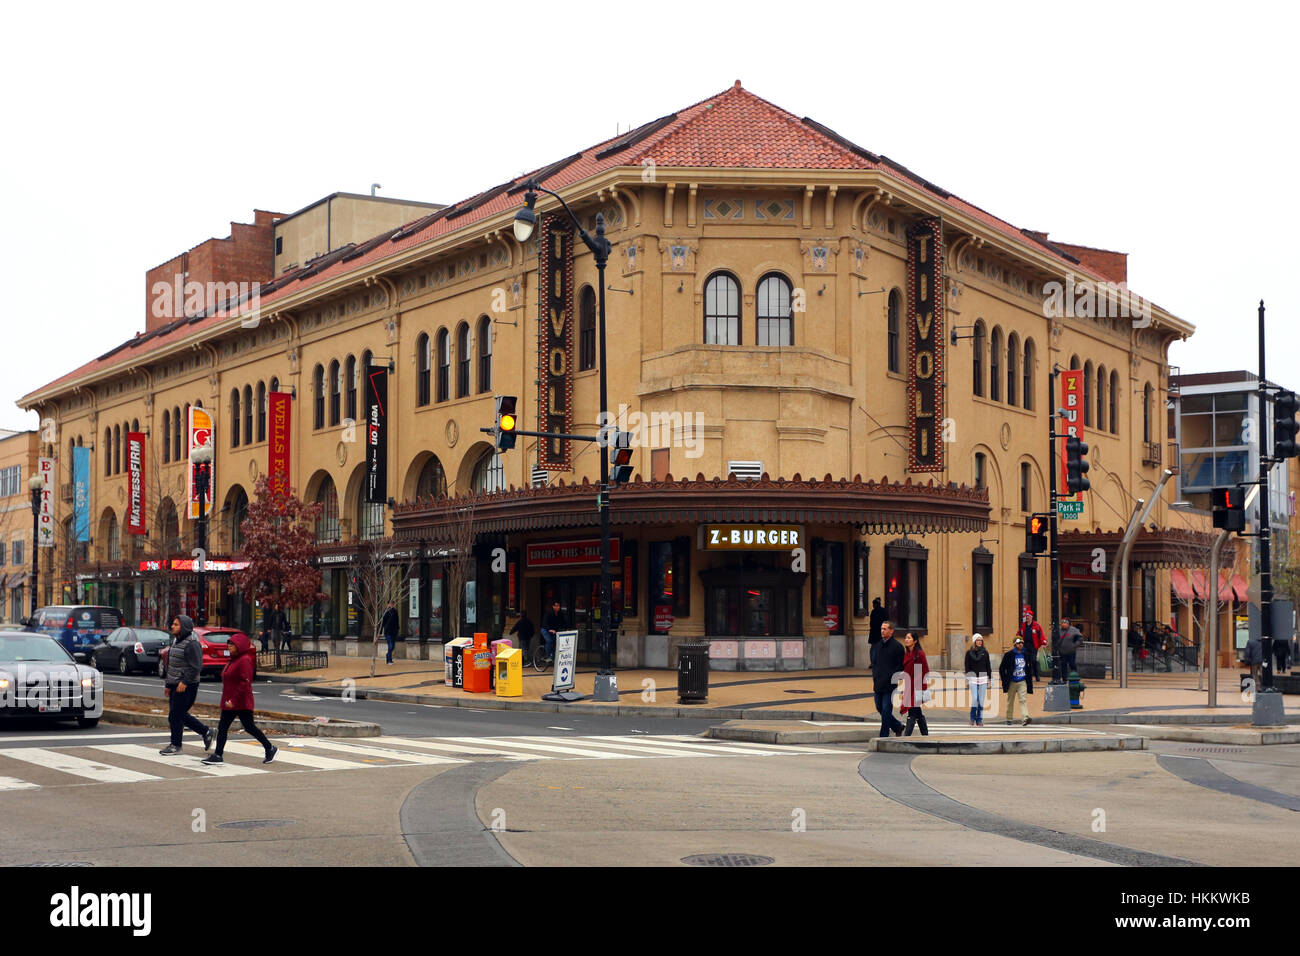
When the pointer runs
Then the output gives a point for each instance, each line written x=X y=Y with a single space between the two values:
x=135 y=425
x=893 y=345
x=1114 y=401
x=114 y=545
x=261 y=411
x=108 y=452
x=275 y=383
x=327 y=525
x=169 y=522
x=166 y=433
x=422 y=366
x=1074 y=363
x=1146 y=413
x=117 y=449
x=183 y=436
x=444 y=365
x=432 y=482
x=995 y=364
x=462 y=360
x=318 y=398
x=234 y=418
x=721 y=310
x=336 y=391
x=775 y=319
x=238 y=512
x=1101 y=398
x=248 y=414
x=1087 y=394
x=587 y=329
x=977 y=358
x=1027 y=396
x=489 y=473
x=484 y=354
x=350 y=378
x=177 y=427
x=1013 y=358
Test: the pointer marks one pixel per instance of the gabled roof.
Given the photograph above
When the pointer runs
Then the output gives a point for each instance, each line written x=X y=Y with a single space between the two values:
x=733 y=129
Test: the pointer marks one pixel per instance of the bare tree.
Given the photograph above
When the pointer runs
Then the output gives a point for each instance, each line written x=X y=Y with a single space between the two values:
x=454 y=536
x=376 y=584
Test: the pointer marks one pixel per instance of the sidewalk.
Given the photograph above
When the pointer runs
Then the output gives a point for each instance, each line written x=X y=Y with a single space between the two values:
x=809 y=695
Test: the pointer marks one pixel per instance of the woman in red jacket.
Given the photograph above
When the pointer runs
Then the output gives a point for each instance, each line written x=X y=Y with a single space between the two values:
x=237 y=699
x=915 y=670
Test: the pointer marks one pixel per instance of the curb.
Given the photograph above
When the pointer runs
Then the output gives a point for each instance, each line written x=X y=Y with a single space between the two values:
x=1152 y=719
x=756 y=735
x=304 y=728
x=1242 y=736
x=899 y=745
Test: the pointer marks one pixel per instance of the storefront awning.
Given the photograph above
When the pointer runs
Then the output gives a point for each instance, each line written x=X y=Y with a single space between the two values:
x=1178 y=581
x=1240 y=586
x=1200 y=581
x=1161 y=548
x=17 y=579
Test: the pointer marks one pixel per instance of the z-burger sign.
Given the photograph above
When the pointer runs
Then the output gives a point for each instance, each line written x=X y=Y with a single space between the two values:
x=925 y=317
x=752 y=537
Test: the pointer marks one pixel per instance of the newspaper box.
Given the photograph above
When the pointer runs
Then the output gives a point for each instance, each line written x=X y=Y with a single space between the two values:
x=477 y=666
x=497 y=647
x=509 y=672
x=454 y=675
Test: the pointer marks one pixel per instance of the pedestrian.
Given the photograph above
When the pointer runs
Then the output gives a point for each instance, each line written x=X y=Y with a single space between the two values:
x=282 y=629
x=979 y=673
x=1018 y=670
x=524 y=629
x=878 y=617
x=1071 y=638
x=1031 y=630
x=237 y=700
x=1253 y=657
x=181 y=684
x=552 y=621
x=887 y=667
x=915 y=670
x=264 y=637
x=1280 y=651
x=389 y=626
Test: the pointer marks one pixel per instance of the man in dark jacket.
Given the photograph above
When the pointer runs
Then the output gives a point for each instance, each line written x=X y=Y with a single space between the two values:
x=389 y=626
x=525 y=629
x=887 y=667
x=552 y=621
x=1018 y=669
x=1071 y=638
x=184 y=668
x=878 y=617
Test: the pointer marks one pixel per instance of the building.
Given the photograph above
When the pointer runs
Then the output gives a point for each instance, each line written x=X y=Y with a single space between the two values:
x=18 y=454
x=809 y=340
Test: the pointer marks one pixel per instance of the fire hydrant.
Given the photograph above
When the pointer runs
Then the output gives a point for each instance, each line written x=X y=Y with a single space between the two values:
x=1077 y=688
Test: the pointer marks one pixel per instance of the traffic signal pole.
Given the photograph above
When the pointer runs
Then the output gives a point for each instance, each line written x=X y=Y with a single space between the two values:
x=1267 y=710
x=1053 y=553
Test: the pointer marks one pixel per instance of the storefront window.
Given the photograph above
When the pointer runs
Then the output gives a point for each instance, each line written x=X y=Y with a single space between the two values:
x=905 y=584
x=669 y=584
x=1028 y=585
x=828 y=581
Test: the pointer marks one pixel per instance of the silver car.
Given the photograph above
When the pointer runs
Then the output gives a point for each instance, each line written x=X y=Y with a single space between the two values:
x=39 y=678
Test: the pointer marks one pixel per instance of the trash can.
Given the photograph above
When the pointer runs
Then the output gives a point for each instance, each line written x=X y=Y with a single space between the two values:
x=693 y=672
x=454 y=672
x=1077 y=687
x=509 y=672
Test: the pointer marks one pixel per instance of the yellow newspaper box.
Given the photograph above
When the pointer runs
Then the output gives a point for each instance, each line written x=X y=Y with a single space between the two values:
x=510 y=672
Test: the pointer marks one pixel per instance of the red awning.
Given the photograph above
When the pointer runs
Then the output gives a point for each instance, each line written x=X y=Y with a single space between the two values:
x=1240 y=585
x=1178 y=580
x=1197 y=577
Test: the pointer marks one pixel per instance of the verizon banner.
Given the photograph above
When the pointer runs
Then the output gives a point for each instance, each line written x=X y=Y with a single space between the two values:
x=45 y=529
x=277 y=448
x=135 y=483
x=201 y=434
x=377 y=434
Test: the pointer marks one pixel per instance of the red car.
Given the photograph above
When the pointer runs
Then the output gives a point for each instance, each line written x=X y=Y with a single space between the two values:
x=216 y=653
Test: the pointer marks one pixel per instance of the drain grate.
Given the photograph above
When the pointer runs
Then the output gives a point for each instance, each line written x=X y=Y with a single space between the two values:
x=727 y=859
x=56 y=863
x=1215 y=750
x=800 y=692
x=254 y=824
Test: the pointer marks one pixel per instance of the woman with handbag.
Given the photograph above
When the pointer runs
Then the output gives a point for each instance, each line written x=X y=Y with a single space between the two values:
x=915 y=670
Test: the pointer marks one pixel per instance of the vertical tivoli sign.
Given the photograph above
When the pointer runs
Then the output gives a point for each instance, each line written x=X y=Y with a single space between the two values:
x=925 y=345
x=555 y=341
x=377 y=434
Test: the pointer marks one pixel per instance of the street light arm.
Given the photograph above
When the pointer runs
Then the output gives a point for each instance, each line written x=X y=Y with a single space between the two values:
x=592 y=244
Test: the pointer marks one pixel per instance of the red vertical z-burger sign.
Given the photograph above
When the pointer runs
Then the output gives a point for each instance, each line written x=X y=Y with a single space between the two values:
x=135 y=521
x=277 y=447
x=925 y=321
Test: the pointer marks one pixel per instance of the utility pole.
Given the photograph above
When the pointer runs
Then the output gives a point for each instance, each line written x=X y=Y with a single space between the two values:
x=1267 y=710
x=1056 y=697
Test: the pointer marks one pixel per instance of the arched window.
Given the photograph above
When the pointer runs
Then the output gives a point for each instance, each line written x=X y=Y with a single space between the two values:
x=1074 y=363
x=336 y=391
x=1101 y=398
x=489 y=473
x=166 y=432
x=1146 y=413
x=1028 y=392
x=462 y=360
x=1087 y=394
x=135 y=425
x=318 y=387
x=587 y=329
x=350 y=377
x=169 y=523
x=995 y=364
x=248 y=414
x=261 y=411
x=117 y=449
x=1013 y=357
x=444 y=365
x=1114 y=402
x=234 y=418
x=721 y=310
x=108 y=451
x=422 y=365
x=432 y=482
x=893 y=345
x=977 y=358
x=370 y=518
x=178 y=427
x=484 y=354
x=114 y=544
x=327 y=525
x=238 y=512
x=775 y=319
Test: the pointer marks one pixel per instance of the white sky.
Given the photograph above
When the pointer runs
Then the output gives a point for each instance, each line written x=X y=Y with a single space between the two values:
x=135 y=131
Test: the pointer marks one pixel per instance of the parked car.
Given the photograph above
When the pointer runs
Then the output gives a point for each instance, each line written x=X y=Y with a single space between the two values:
x=216 y=655
x=130 y=649
x=78 y=627
x=38 y=677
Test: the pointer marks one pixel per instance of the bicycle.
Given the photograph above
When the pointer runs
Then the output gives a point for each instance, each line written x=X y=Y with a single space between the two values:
x=537 y=651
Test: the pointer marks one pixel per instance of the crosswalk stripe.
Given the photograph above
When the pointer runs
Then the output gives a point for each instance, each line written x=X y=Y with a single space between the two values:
x=551 y=747
x=454 y=748
x=738 y=746
x=641 y=748
x=363 y=751
x=13 y=783
x=682 y=747
x=294 y=756
x=77 y=766
x=192 y=764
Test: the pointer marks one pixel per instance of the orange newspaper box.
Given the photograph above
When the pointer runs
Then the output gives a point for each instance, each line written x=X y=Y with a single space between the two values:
x=478 y=666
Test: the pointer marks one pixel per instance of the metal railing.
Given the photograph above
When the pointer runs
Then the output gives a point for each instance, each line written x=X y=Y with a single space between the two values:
x=284 y=662
x=1151 y=453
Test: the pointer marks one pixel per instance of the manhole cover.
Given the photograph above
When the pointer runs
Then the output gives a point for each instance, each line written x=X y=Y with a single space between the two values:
x=49 y=863
x=253 y=824
x=1216 y=750
x=727 y=859
x=799 y=692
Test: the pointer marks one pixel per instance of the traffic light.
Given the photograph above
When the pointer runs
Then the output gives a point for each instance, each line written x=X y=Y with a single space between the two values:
x=620 y=465
x=1285 y=405
x=1229 y=506
x=1076 y=467
x=506 y=429
x=1036 y=535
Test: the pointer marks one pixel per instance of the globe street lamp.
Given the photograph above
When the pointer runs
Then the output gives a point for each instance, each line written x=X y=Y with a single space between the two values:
x=525 y=221
x=201 y=459
x=37 y=484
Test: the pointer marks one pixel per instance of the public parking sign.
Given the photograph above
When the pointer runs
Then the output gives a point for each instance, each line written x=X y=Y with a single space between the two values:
x=566 y=656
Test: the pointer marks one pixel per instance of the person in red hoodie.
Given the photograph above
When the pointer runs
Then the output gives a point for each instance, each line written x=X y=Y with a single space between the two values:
x=1029 y=628
x=915 y=670
x=237 y=699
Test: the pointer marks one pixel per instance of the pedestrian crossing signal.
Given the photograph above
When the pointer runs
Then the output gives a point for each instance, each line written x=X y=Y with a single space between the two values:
x=620 y=466
x=506 y=429
x=1229 y=505
x=1036 y=535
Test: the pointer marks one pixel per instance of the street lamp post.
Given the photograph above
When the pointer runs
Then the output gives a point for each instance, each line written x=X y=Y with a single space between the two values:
x=201 y=459
x=606 y=688
x=37 y=484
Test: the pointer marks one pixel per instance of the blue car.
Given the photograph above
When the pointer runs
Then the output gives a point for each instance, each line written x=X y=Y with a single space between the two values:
x=77 y=627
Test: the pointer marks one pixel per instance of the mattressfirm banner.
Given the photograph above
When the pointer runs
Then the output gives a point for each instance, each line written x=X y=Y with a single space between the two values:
x=277 y=447
x=201 y=433
x=45 y=525
x=377 y=434
x=135 y=522
x=925 y=349
x=81 y=492
x=555 y=341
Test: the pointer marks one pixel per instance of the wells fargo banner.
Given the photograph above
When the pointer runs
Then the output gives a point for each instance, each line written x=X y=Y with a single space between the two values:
x=277 y=447
x=925 y=349
x=200 y=432
x=555 y=341
x=1072 y=425
x=135 y=520
x=377 y=434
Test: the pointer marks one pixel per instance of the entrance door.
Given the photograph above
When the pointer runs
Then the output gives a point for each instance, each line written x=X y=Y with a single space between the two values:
x=579 y=599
